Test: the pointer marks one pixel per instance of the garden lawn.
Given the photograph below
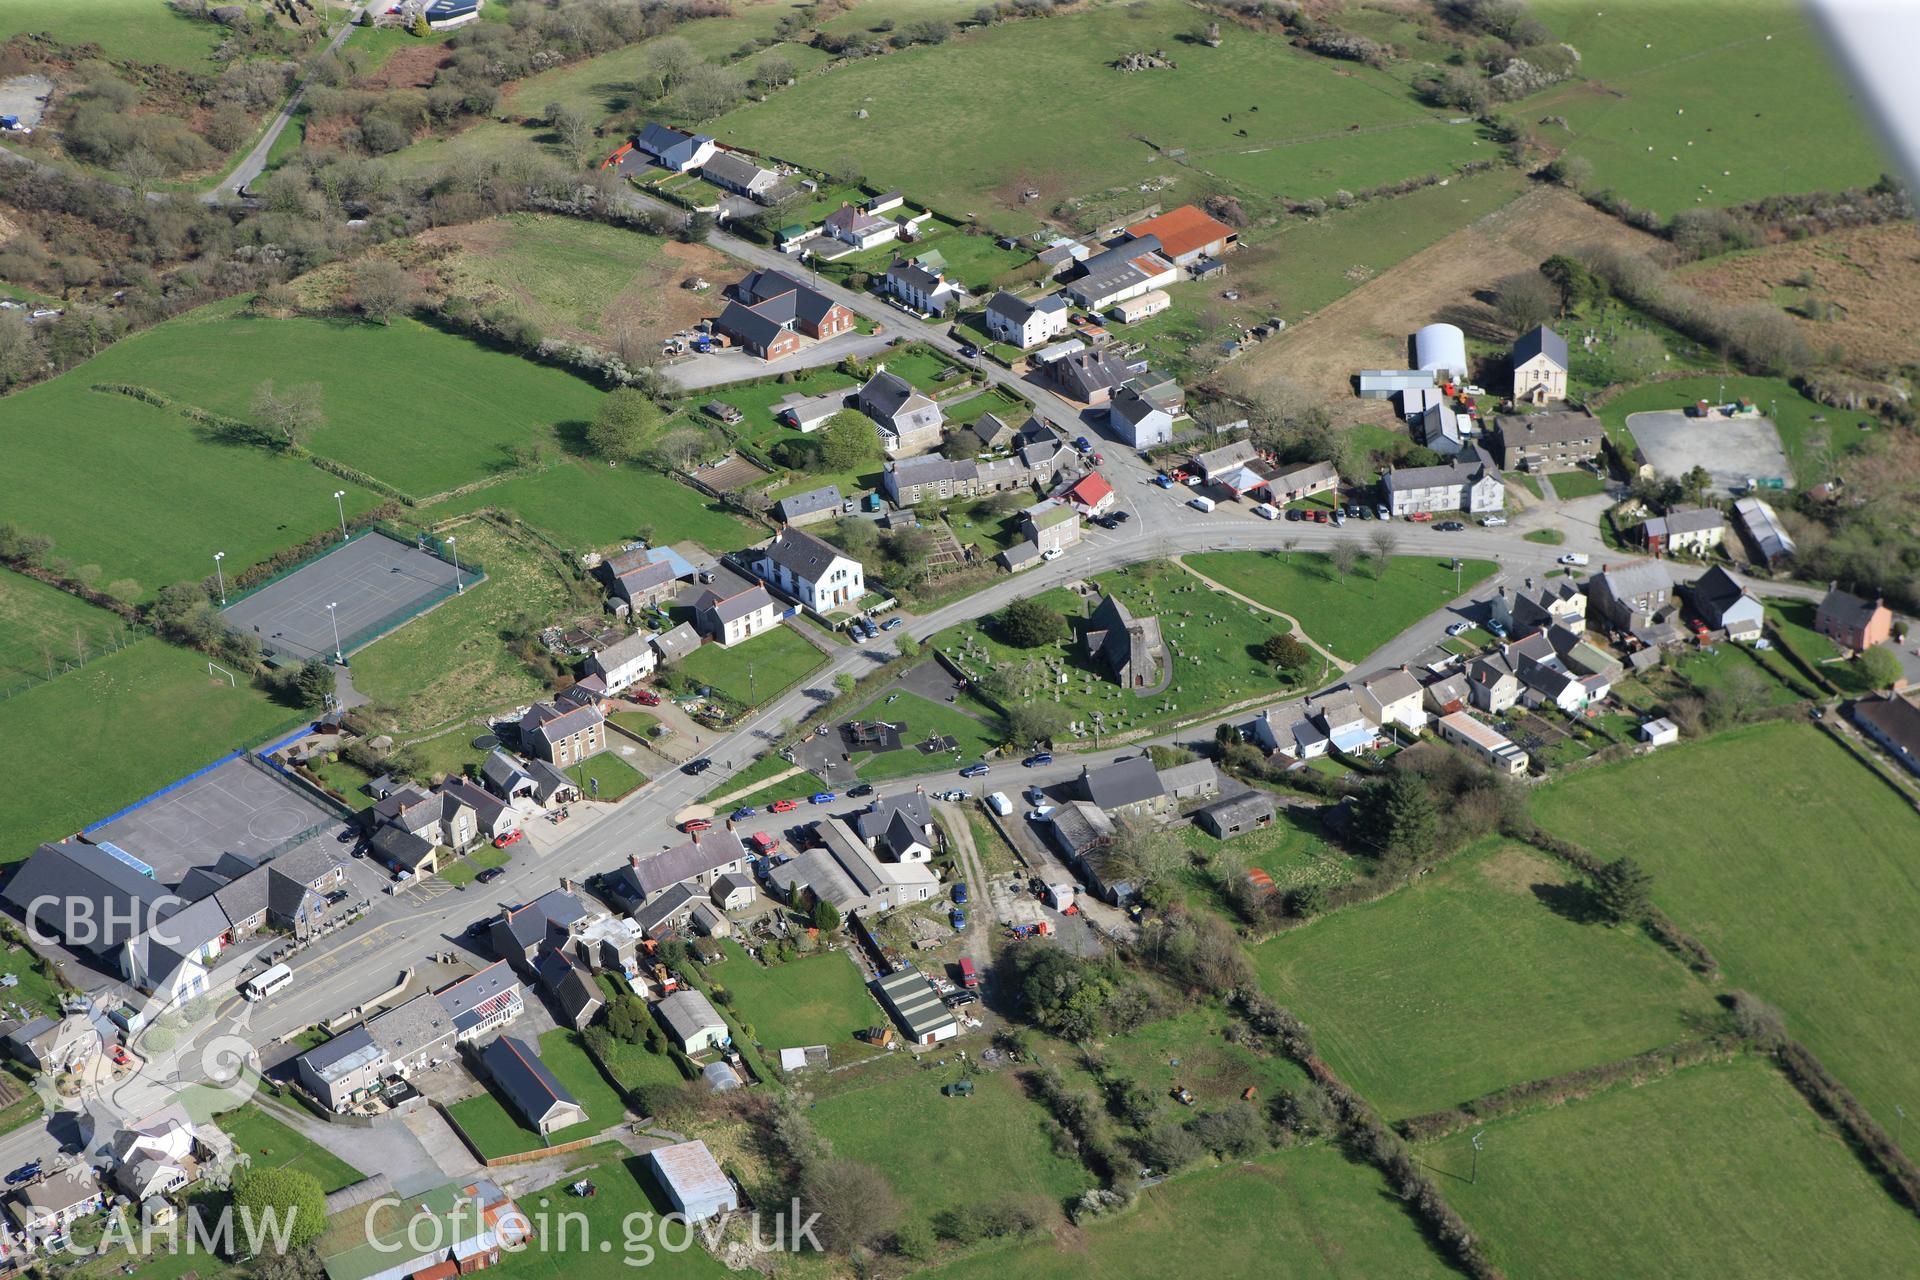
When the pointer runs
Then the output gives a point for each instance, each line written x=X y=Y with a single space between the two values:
x=1793 y=863
x=1807 y=442
x=1469 y=980
x=941 y=1153
x=755 y=402
x=1311 y=1212
x=463 y=871
x=778 y=659
x=1307 y=106
x=136 y=30
x=39 y=623
x=1723 y=63
x=819 y=999
x=1793 y=623
x=606 y=776
x=497 y=1130
x=977 y=734
x=1575 y=484
x=140 y=476
x=1717 y=1170
x=589 y=505
x=450 y=664
x=268 y=1142
x=104 y=762
x=638 y=723
x=463 y=406
x=1352 y=618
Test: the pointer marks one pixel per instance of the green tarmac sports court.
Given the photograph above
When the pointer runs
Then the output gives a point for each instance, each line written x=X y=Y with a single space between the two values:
x=369 y=586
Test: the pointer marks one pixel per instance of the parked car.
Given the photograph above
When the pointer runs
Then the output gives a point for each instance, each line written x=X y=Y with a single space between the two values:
x=1420 y=517
x=960 y=1000
x=1083 y=444
x=1493 y=522
x=645 y=697
x=744 y=812
x=893 y=623
x=1295 y=515
x=119 y=1055
x=1457 y=629
x=1450 y=526
x=1121 y=517
x=1339 y=518
x=697 y=767
x=506 y=838
x=1039 y=813
x=1105 y=522
x=25 y=1173
x=490 y=875
x=1576 y=558
x=1051 y=553
x=692 y=825
x=975 y=771
x=1496 y=628
x=1164 y=480
x=957 y=918
x=1366 y=513
x=859 y=789
x=1037 y=759
x=784 y=806
x=960 y=893
x=821 y=797
x=1319 y=517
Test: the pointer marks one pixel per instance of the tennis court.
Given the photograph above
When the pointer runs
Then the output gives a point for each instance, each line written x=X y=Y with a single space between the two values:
x=375 y=583
x=234 y=807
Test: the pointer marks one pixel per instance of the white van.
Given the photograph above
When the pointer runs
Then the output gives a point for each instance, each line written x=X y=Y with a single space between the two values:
x=1576 y=557
x=1267 y=511
x=999 y=803
x=276 y=979
x=1201 y=504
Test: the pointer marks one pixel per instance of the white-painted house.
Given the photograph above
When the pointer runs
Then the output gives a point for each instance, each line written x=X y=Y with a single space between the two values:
x=1020 y=323
x=814 y=572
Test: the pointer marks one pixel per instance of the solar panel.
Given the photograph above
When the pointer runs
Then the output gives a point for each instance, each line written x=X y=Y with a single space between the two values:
x=115 y=852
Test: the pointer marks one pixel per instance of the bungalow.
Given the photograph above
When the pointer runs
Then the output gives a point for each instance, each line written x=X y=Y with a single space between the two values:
x=731 y=619
x=1690 y=531
x=1295 y=483
x=672 y=149
x=562 y=737
x=1134 y=310
x=52 y=1045
x=1853 y=624
x=840 y=868
x=928 y=292
x=813 y=572
x=909 y=422
x=1539 y=366
x=691 y=1022
x=528 y=1087
x=624 y=662
x=1023 y=324
x=734 y=172
x=815 y=506
x=1724 y=605
x=861 y=227
x=44 y=1210
x=1484 y=743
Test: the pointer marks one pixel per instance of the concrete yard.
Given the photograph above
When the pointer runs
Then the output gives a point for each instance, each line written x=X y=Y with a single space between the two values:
x=1733 y=450
x=26 y=97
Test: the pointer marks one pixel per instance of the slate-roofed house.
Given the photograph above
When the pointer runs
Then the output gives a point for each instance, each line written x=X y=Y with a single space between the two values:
x=899 y=826
x=1130 y=648
x=667 y=912
x=1724 y=605
x=988 y=431
x=625 y=662
x=1547 y=441
x=53 y=1044
x=1051 y=525
x=690 y=1019
x=861 y=227
x=807 y=414
x=1492 y=683
x=563 y=737
x=636 y=580
x=1691 y=531
x=1291 y=484
x=1629 y=596
x=1023 y=324
x=519 y=935
x=812 y=507
x=1440 y=429
x=1556 y=602
x=928 y=292
x=402 y=850
x=731 y=619
x=1853 y=624
x=1539 y=366
x=1392 y=696
x=671 y=149
x=1192 y=780
x=1469 y=483
x=700 y=860
x=1089 y=377
x=909 y=422
x=482 y=1002
x=1125 y=788
x=816 y=573
x=735 y=172
x=841 y=869
x=1894 y=723
x=570 y=989
x=1137 y=419
x=771 y=310
x=528 y=1087
x=45 y=1209
x=1083 y=834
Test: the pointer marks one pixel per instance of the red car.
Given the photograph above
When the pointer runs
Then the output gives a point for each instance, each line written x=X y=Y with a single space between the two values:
x=692 y=825
x=119 y=1055
x=511 y=837
x=784 y=806
x=1319 y=517
x=1421 y=517
x=646 y=697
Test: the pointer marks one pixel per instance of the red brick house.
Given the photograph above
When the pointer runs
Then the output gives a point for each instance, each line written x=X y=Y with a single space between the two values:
x=1855 y=625
x=770 y=312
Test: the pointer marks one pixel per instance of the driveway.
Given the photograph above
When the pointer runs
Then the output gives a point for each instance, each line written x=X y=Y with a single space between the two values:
x=697 y=373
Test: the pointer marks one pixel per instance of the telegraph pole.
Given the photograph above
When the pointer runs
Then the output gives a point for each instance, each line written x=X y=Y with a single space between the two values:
x=1476 y=1157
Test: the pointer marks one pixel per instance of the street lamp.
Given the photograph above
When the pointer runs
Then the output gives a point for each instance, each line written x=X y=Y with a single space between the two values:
x=458 y=586
x=340 y=500
x=220 y=576
x=335 y=619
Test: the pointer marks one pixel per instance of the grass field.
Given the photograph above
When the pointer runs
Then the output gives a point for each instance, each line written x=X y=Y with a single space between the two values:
x=266 y=1141
x=951 y=1153
x=1574 y=484
x=1352 y=618
x=1470 y=980
x=607 y=777
x=755 y=670
x=464 y=404
x=1218 y=1070
x=977 y=734
x=1808 y=442
x=157 y=466
x=1723 y=63
x=623 y=1213
x=1294 y=851
x=104 y=763
x=591 y=505
x=1288 y=106
x=139 y=30
x=1793 y=623
x=496 y=1129
x=450 y=663
x=1792 y=862
x=1718 y=1170
x=40 y=625
x=813 y=1000
x=1306 y=1213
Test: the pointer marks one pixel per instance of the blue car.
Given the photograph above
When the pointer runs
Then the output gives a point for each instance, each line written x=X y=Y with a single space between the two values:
x=960 y=893
x=823 y=797
x=744 y=812
x=1497 y=628
x=975 y=771
x=891 y=623
x=957 y=918
x=1037 y=759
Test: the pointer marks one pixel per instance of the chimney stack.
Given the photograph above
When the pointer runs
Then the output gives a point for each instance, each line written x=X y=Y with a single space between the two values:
x=633 y=860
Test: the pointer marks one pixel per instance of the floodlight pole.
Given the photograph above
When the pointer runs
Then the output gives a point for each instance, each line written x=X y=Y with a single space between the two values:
x=334 y=618
x=340 y=500
x=459 y=587
x=220 y=576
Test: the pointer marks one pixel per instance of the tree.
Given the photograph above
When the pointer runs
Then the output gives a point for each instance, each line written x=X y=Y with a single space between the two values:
x=1146 y=855
x=1880 y=665
x=1288 y=546
x=288 y=418
x=774 y=70
x=855 y=1204
x=142 y=168
x=1622 y=888
x=826 y=916
x=1696 y=482
x=1572 y=172
x=575 y=132
x=1578 y=286
x=1345 y=555
x=382 y=289
x=1384 y=542
x=1028 y=624
x=313 y=684
x=1397 y=820
x=1035 y=722
x=1283 y=649
x=291 y=1198
x=847 y=440
x=1525 y=300
x=622 y=425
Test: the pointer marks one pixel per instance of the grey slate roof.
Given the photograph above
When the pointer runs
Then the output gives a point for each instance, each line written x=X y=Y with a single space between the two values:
x=517 y=1070
x=464 y=999
x=1643 y=577
x=1537 y=341
x=878 y=818
x=344 y=1052
x=1122 y=783
x=886 y=395
x=84 y=883
x=661 y=908
x=738 y=605
x=1716 y=591
x=730 y=168
x=687 y=1013
x=713 y=850
x=678 y=643
x=826 y=498
x=801 y=554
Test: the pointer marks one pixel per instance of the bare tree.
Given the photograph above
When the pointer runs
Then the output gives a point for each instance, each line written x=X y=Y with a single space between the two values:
x=382 y=289
x=680 y=447
x=1289 y=546
x=854 y=1201
x=1384 y=542
x=291 y=417
x=1525 y=300
x=575 y=132
x=142 y=168
x=1345 y=555
x=80 y=646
